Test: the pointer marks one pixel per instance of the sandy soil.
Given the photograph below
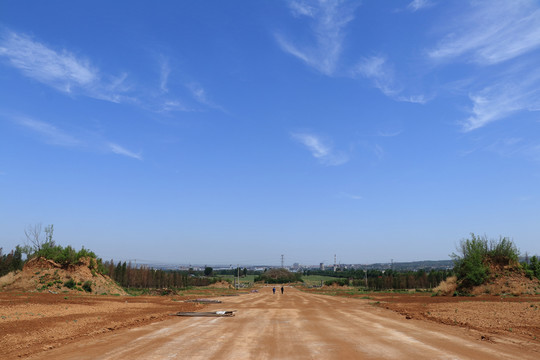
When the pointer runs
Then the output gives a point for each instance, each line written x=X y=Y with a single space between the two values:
x=296 y=325
x=34 y=322
x=517 y=316
x=509 y=316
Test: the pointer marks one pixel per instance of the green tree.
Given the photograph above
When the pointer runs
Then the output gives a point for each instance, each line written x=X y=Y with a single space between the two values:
x=208 y=271
x=476 y=255
x=469 y=263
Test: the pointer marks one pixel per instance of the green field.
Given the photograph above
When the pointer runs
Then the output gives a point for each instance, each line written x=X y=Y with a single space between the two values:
x=311 y=280
x=243 y=280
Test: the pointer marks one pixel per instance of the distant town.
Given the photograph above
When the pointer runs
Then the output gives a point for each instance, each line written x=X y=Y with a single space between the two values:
x=297 y=267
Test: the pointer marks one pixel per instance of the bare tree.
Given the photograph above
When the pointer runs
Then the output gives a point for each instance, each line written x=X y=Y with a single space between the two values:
x=35 y=238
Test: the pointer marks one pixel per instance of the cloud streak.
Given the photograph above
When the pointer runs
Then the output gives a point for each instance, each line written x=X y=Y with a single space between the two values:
x=328 y=20
x=199 y=94
x=503 y=37
x=53 y=135
x=49 y=133
x=120 y=150
x=416 y=5
x=377 y=69
x=350 y=196
x=320 y=149
x=165 y=71
x=516 y=92
x=61 y=70
x=493 y=32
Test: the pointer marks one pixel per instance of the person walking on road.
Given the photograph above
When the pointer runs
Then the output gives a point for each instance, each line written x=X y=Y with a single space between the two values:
x=274 y=290
x=282 y=290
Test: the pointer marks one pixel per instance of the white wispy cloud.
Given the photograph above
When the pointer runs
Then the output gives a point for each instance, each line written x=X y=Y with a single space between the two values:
x=350 y=196
x=53 y=135
x=416 y=5
x=511 y=147
x=505 y=37
x=382 y=74
x=518 y=91
x=320 y=149
x=62 y=70
x=389 y=133
x=492 y=32
x=301 y=8
x=200 y=95
x=165 y=71
x=173 y=105
x=120 y=150
x=328 y=20
x=59 y=69
x=49 y=133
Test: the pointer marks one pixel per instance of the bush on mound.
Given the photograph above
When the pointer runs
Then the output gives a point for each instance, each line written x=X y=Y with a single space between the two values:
x=480 y=260
x=279 y=276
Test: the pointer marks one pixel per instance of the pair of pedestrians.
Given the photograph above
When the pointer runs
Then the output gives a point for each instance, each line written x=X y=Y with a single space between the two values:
x=274 y=290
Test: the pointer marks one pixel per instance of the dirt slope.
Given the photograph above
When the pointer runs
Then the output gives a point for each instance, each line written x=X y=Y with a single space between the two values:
x=40 y=274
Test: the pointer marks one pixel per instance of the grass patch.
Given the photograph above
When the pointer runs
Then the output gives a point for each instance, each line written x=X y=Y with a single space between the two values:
x=317 y=280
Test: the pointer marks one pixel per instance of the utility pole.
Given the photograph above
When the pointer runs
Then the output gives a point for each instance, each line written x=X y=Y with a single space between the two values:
x=365 y=274
x=238 y=269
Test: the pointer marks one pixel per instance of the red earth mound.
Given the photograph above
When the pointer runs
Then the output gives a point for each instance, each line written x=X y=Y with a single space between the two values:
x=40 y=274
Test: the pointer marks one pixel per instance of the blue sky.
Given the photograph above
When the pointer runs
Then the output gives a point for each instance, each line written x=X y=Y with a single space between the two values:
x=236 y=131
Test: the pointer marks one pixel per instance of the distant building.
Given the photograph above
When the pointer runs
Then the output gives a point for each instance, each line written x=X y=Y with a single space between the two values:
x=321 y=266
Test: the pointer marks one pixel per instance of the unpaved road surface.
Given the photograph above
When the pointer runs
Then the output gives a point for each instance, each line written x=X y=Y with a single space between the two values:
x=295 y=325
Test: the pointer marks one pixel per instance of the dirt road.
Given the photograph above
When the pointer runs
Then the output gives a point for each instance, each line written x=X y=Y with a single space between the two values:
x=295 y=325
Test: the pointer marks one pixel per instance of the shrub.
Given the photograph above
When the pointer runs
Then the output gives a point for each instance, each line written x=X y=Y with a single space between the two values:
x=339 y=282
x=66 y=256
x=70 y=284
x=87 y=286
x=532 y=269
x=476 y=255
x=470 y=268
x=503 y=252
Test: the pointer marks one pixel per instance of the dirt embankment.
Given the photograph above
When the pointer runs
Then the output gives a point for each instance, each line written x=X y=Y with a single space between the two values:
x=502 y=280
x=42 y=275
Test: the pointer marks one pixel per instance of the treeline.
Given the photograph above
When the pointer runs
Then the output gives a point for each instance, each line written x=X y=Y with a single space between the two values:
x=279 y=276
x=11 y=261
x=391 y=279
x=532 y=268
x=143 y=277
x=387 y=279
